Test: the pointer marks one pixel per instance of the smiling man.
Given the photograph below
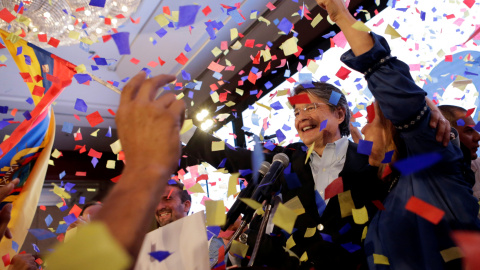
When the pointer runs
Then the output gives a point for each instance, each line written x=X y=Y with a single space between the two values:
x=174 y=204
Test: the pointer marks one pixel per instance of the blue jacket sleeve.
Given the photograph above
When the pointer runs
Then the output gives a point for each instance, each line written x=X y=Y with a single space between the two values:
x=390 y=82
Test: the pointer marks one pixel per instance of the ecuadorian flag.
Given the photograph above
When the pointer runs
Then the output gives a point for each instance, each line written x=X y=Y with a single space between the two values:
x=25 y=154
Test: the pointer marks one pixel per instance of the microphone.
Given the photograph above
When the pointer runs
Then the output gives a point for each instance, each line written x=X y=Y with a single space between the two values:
x=263 y=190
x=238 y=206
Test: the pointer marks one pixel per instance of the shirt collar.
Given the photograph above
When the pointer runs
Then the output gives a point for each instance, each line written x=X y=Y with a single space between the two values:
x=339 y=148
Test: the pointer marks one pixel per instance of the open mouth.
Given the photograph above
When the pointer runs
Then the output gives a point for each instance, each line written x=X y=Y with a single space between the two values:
x=307 y=128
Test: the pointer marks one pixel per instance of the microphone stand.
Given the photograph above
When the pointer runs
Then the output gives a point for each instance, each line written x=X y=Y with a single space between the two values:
x=240 y=229
x=261 y=231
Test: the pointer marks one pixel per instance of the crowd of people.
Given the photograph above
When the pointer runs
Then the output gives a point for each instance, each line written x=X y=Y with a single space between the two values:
x=402 y=124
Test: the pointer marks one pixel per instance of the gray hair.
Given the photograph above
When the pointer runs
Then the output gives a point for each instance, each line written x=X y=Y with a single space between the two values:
x=324 y=91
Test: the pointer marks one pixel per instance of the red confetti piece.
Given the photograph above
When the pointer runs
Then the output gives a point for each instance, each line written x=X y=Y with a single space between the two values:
x=106 y=38
x=93 y=153
x=134 y=60
x=451 y=16
x=161 y=61
x=38 y=91
x=78 y=136
x=271 y=6
x=75 y=210
x=94 y=118
x=116 y=178
x=357 y=115
x=206 y=10
x=39 y=261
x=111 y=112
x=80 y=9
x=42 y=37
x=448 y=58
x=6 y=259
x=370 y=113
x=334 y=188
x=152 y=64
x=6 y=15
x=252 y=77
x=249 y=43
x=170 y=193
x=386 y=171
x=181 y=59
x=226 y=234
x=425 y=210
x=76 y=117
x=137 y=21
x=120 y=16
x=469 y=4
x=80 y=173
x=43 y=208
x=166 y=10
x=202 y=177
x=342 y=73
x=469 y=244
x=54 y=42
x=26 y=77
x=378 y=204
x=38 y=78
x=469 y=112
x=299 y=99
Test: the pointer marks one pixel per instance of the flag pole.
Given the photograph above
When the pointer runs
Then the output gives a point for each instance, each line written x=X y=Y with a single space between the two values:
x=104 y=83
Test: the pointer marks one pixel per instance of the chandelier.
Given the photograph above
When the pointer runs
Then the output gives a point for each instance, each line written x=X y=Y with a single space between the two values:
x=68 y=21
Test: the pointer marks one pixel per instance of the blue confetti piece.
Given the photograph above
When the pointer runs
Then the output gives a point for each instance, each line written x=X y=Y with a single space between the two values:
x=422 y=15
x=254 y=70
x=287 y=73
x=236 y=16
x=70 y=218
x=334 y=98
x=15 y=246
x=69 y=186
x=286 y=128
x=27 y=115
x=350 y=247
x=41 y=234
x=388 y=157
x=171 y=182
x=257 y=157
x=345 y=228
x=268 y=85
x=356 y=124
x=305 y=78
x=417 y=163
x=364 y=147
x=326 y=237
x=94 y=68
x=280 y=136
x=245 y=172
x=80 y=105
x=82 y=78
x=147 y=71
x=63 y=208
x=67 y=127
x=477 y=126
x=460 y=122
x=396 y=25
x=3 y=124
x=323 y=125
x=214 y=229
x=4 y=109
x=324 y=78
x=186 y=76
x=276 y=105
x=222 y=163
x=97 y=3
x=28 y=60
x=329 y=35
x=162 y=32
x=321 y=205
x=109 y=132
x=62 y=228
x=253 y=92
x=187 y=15
x=160 y=255
x=187 y=48
x=61 y=175
x=285 y=25
x=269 y=145
x=35 y=247
x=19 y=50
x=48 y=220
x=122 y=42
x=29 y=100
x=100 y=61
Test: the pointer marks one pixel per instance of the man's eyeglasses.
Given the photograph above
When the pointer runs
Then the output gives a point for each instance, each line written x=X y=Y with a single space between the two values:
x=309 y=109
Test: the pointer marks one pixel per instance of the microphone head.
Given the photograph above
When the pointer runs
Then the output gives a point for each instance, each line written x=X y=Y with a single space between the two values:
x=264 y=167
x=283 y=158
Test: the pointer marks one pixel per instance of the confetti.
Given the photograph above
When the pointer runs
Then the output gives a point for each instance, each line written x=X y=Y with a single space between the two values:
x=425 y=210
x=94 y=119
x=159 y=255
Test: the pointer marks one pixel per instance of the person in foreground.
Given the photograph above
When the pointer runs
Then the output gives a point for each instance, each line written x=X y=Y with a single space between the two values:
x=149 y=131
x=398 y=238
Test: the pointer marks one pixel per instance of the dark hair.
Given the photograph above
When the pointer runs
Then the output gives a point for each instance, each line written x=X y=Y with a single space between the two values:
x=184 y=196
x=324 y=91
x=88 y=205
x=450 y=112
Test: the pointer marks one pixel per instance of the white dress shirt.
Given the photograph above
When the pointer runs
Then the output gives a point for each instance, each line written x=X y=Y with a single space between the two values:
x=327 y=167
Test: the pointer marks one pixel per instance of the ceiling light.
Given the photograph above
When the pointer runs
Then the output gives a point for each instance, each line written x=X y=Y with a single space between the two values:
x=202 y=114
x=207 y=124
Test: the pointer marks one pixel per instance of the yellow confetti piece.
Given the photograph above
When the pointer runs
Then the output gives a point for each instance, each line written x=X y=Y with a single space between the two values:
x=3 y=58
x=161 y=20
x=116 y=147
x=187 y=125
x=95 y=133
x=5 y=169
x=263 y=106
x=91 y=242
x=215 y=213
x=233 y=34
x=50 y=162
x=81 y=68
x=8 y=136
x=60 y=192
x=290 y=242
x=230 y=104
x=360 y=26
x=360 y=216
x=312 y=66
x=295 y=205
x=251 y=203
x=304 y=257
x=216 y=51
x=197 y=188
x=392 y=32
x=267 y=56
x=441 y=53
x=56 y=153
x=59 y=205
x=310 y=232
x=215 y=97
x=262 y=19
x=450 y=254
x=86 y=41
x=239 y=248
x=364 y=233
x=289 y=47
x=239 y=91
x=91 y=189
x=236 y=46
x=180 y=96
x=232 y=184
x=316 y=20
x=110 y=164
x=310 y=150
x=380 y=259
x=74 y=35
x=52 y=229
x=218 y=146
x=282 y=92
x=260 y=211
x=253 y=15
x=346 y=203
x=284 y=218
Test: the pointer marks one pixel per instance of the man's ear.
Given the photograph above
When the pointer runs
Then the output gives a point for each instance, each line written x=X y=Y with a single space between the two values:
x=187 y=204
x=340 y=113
